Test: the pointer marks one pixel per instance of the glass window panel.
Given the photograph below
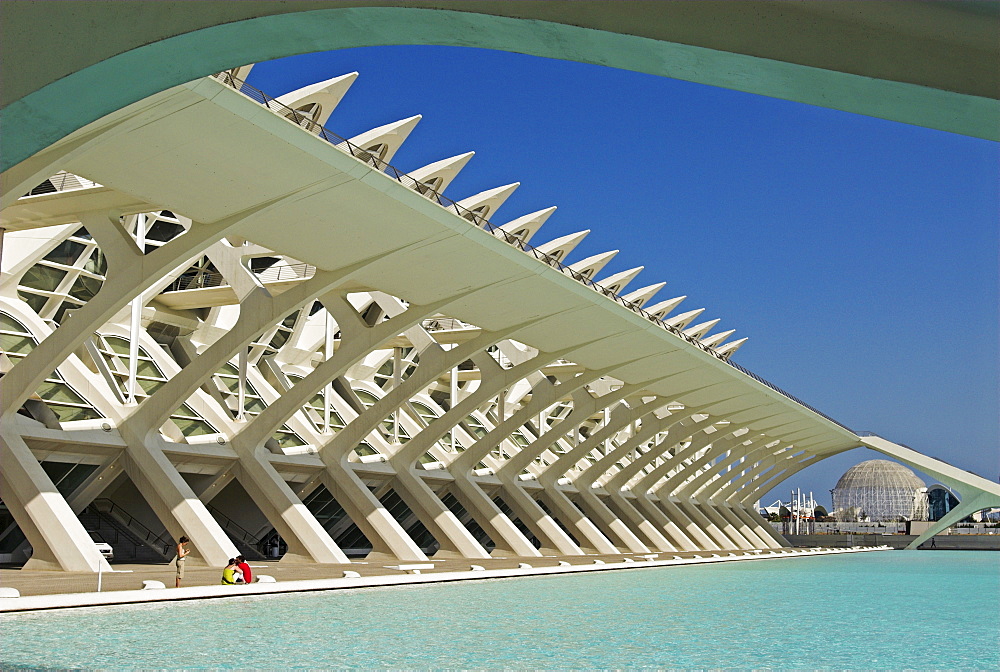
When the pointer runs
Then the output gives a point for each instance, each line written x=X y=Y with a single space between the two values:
x=85 y=288
x=164 y=231
x=366 y=397
x=149 y=386
x=63 y=307
x=41 y=277
x=66 y=252
x=231 y=384
x=117 y=344
x=191 y=427
x=51 y=391
x=36 y=301
x=279 y=338
x=288 y=439
x=146 y=368
x=365 y=449
x=97 y=263
x=476 y=427
x=72 y=413
x=8 y=323
x=18 y=345
x=254 y=405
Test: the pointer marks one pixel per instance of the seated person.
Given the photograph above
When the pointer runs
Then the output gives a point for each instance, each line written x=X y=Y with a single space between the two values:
x=231 y=573
x=241 y=564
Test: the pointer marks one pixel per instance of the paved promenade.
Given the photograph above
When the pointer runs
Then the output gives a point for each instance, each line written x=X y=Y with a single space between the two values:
x=54 y=590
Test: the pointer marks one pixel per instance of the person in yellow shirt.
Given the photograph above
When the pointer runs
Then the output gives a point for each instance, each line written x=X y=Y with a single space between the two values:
x=229 y=573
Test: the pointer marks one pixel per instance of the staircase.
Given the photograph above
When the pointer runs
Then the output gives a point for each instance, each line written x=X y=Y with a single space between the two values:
x=128 y=546
x=248 y=544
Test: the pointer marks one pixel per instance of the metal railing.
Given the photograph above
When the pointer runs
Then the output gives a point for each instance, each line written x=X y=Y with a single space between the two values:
x=309 y=124
x=277 y=273
x=62 y=181
x=444 y=324
x=234 y=528
x=135 y=526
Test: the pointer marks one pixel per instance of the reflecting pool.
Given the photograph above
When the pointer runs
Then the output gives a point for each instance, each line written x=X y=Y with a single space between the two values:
x=890 y=610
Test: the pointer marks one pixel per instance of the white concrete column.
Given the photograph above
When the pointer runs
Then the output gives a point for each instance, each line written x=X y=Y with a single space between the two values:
x=58 y=539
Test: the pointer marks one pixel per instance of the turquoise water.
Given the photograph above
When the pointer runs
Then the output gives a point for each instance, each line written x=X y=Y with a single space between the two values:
x=889 y=610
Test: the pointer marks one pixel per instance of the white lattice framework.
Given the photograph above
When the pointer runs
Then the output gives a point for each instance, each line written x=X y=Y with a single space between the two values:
x=240 y=329
x=879 y=490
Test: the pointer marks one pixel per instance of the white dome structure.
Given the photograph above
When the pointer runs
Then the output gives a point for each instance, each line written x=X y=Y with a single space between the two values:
x=877 y=490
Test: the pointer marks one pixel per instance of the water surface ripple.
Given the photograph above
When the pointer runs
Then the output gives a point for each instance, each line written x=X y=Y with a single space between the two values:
x=887 y=610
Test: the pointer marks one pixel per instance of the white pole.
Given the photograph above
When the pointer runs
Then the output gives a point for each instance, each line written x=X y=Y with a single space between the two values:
x=100 y=574
x=328 y=390
x=242 y=388
x=136 y=321
x=397 y=378
x=454 y=401
x=607 y=421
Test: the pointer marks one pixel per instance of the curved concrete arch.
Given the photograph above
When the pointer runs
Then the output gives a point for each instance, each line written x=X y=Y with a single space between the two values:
x=853 y=58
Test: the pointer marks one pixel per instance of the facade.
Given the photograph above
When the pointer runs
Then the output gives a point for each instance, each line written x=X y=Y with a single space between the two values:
x=323 y=357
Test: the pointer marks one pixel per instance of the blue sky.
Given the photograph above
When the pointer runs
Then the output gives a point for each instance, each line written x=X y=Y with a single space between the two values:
x=858 y=255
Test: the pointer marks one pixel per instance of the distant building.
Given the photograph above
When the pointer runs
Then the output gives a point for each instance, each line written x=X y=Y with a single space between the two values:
x=940 y=500
x=879 y=490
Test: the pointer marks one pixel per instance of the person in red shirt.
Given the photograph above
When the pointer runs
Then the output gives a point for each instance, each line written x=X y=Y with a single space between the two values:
x=241 y=562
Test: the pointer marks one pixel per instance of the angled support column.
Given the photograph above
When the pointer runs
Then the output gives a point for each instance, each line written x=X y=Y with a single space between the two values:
x=680 y=538
x=693 y=528
x=58 y=539
x=173 y=501
x=306 y=539
x=388 y=539
x=508 y=539
x=554 y=538
x=726 y=513
x=590 y=504
x=722 y=524
x=106 y=474
x=699 y=518
x=763 y=529
x=577 y=520
x=454 y=538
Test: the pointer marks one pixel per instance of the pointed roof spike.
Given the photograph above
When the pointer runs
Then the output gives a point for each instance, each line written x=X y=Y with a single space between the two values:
x=527 y=226
x=684 y=319
x=560 y=247
x=617 y=282
x=242 y=72
x=591 y=266
x=661 y=309
x=641 y=296
x=699 y=330
x=389 y=137
x=327 y=94
x=445 y=169
x=731 y=347
x=485 y=203
x=715 y=339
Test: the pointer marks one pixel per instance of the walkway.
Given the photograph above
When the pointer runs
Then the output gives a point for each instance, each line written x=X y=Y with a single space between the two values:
x=54 y=590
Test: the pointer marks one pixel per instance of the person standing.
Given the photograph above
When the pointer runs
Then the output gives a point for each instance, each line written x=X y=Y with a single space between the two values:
x=182 y=552
x=241 y=563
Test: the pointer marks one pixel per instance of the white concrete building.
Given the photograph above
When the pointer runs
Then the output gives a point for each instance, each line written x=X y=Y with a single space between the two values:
x=221 y=320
